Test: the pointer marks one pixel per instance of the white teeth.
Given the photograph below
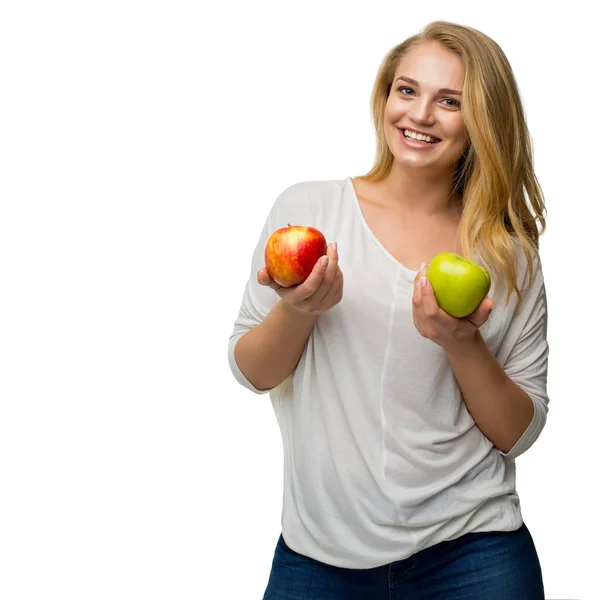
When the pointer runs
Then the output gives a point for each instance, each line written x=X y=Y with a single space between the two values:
x=418 y=136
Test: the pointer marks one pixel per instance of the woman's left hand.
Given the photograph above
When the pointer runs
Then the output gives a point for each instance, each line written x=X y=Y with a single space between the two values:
x=437 y=325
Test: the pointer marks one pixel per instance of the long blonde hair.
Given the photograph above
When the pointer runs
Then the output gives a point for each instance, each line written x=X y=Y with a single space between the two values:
x=496 y=168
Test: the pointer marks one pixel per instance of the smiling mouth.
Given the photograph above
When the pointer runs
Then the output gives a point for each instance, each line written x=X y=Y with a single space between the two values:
x=423 y=139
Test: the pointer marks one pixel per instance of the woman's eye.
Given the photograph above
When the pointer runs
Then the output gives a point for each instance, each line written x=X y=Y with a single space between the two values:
x=453 y=103
x=456 y=103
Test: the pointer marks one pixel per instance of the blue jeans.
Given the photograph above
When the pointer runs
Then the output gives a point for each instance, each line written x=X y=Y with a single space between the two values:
x=476 y=566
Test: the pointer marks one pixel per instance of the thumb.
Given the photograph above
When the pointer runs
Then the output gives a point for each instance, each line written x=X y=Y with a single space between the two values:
x=482 y=314
x=264 y=278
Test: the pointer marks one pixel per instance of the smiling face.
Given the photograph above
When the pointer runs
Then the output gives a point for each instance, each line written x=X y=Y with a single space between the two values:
x=421 y=100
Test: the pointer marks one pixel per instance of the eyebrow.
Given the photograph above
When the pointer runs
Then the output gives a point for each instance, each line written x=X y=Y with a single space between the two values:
x=441 y=91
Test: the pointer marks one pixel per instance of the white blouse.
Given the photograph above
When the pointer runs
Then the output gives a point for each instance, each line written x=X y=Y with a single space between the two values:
x=381 y=456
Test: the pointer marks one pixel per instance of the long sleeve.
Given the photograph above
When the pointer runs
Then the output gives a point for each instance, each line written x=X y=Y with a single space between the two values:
x=527 y=361
x=257 y=300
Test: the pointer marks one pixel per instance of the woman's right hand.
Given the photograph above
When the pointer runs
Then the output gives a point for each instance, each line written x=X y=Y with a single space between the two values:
x=321 y=291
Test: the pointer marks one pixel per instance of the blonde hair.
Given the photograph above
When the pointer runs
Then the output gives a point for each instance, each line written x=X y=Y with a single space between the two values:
x=496 y=168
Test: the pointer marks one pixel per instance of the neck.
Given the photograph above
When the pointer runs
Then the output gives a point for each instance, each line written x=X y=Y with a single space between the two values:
x=419 y=195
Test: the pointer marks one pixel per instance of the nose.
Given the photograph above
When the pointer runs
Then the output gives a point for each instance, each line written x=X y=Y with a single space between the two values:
x=421 y=111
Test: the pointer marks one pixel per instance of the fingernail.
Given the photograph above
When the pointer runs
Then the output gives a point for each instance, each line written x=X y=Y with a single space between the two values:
x=423 y=281
x=421 y=267
x=324 y=261
x=334 y=245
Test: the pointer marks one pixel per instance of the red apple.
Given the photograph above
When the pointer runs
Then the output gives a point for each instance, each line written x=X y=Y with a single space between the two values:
x=292 y=252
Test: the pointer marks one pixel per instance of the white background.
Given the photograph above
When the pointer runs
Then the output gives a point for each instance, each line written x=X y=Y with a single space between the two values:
x=142 y=145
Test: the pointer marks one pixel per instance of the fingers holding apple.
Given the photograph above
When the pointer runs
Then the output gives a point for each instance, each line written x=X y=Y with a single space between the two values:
x=450 y=299
x=322 y=290
x=303 y=269
x=335 y=292
x=331 y=271
x=311 y=285
x=331 y=290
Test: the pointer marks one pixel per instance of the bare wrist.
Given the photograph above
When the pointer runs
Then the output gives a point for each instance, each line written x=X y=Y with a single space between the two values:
x=464 y=346
x=297 y=315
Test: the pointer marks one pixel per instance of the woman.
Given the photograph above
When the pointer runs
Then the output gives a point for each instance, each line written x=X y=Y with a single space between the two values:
x=400 y=423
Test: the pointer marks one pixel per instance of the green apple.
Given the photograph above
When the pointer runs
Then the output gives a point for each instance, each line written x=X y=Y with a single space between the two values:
x=459 y=284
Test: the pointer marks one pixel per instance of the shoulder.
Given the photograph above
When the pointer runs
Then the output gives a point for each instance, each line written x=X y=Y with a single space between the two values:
x=306 y=200
x=529 y=277
x=530 y=282
x=305 y=192
x=524 y=276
